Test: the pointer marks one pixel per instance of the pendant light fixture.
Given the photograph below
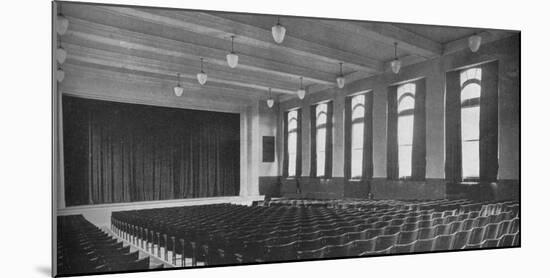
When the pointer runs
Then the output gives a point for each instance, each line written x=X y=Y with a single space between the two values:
x=232 y=57
x=62 y=24
x=341 y=80
x=396 y=63
x=60 y=54
x=301 y=92
x=278 y=31
x=201 y=76
x=60 y=74
x=178 y=90
x=474 y=42
x=270 y=100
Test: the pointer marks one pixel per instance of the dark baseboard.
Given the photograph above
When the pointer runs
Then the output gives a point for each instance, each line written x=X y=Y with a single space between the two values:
x=382 y=188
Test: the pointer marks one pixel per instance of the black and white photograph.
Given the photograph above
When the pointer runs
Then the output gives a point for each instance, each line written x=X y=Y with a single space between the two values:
x=274 y=139
x=196 y=138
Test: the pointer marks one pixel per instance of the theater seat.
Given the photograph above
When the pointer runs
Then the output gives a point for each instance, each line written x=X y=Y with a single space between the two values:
x=442 y=242
x=423 y=245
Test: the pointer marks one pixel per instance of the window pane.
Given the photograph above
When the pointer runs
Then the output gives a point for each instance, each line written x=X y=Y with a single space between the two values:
x=358 y=99
x=470 y=123
x=356 y=163
x=405 y=159
x=470 y=159
x=406 y=88
x=291 y=165
x=471 y=91
x=321 y=108
x=406 y=103
x=473 y=73
x=321 y=139
x=292 y=124
x=320 y=164
x=405 y=126
x=320 y=151
x=321 y=119
x=357 y=135
x=292 y=143
x=358 y=112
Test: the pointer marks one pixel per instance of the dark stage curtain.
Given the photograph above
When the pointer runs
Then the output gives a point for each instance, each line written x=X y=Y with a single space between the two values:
x=285 y=144
x=419 y=132
x=488 y=123
x=347 y=137
x=299 y=145
x=367 y=137
x=313 y=141
x=453 y=143
x=117 y=152
x=328 y=142
x=392 y=170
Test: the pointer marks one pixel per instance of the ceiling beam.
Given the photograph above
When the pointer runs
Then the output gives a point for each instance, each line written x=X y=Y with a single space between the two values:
x=388 y=34
x=115 y=60
x=80 y=80
x=218 y=27
x=486 y=37
x=117 y=37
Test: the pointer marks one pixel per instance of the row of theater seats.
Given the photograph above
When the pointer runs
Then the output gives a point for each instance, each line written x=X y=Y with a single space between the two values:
x=465 y=204
x=229 y=234
x=84 y=248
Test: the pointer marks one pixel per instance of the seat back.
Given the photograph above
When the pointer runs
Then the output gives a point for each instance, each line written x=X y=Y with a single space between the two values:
x=385 y=241
x=460 y=239
x=407 y=237
x=390 y=230
x=490 y=231
x=506 y=240
x=425 y=233
x=442 y=242
x=476 y=235
x=490 y=243
x=423 y=245
x=402 y=248
x=360 y=246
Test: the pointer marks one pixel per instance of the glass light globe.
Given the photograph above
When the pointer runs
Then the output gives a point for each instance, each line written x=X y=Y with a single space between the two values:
x=62 y=25
x=474 y=42
x=178 y=91
x=232 y=60
x=341 y=81
x=60 y=55
x=270 y=102
x=301 y=93
x=60 y=75
x=395 y=66
x=201 y=77
x=278 y=31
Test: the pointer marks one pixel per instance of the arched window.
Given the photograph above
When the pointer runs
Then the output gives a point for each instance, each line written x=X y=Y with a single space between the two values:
x=292 y=141
x=470 y=82
x=357 y=131
x=405 y=124
x=321 y=135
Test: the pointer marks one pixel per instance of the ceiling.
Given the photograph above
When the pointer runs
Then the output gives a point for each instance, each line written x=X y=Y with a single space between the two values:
x=158 y=43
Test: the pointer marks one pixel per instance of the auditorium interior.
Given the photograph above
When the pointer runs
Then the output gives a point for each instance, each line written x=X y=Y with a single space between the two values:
x=189 y=138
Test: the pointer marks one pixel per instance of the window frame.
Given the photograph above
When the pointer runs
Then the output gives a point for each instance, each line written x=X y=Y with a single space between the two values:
x=319 y=126
x=353 y=121
x=470 y=103
x=404 y=113
x=290 y=131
